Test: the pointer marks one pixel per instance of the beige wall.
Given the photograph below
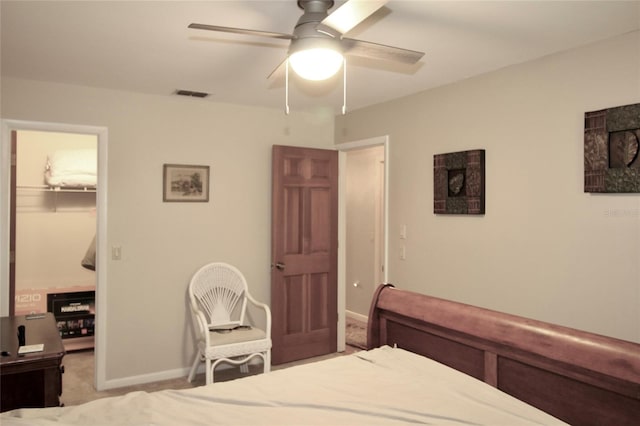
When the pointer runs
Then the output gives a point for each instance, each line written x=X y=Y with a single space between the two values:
x=544 y=249
x=163 y=244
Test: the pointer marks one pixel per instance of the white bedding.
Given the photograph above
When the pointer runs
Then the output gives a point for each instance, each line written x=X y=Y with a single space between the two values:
x=381 y=386
x=72 y=168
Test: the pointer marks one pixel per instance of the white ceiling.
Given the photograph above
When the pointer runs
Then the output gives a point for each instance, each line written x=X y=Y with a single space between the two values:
x=145 y=46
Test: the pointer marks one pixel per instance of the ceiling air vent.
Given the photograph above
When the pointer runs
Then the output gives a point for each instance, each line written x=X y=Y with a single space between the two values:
x=191 y=93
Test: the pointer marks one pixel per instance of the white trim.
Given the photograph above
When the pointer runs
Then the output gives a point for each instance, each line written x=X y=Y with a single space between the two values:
x=5 y=177
x=149 y=378
x=176 y=373
x=342 y=217
x=101 y=240
x=356 y=316
x=363 y=143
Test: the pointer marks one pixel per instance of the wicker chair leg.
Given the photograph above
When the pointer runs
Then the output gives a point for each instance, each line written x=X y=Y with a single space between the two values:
x=194 y=367
x=209 y=372
x=267 y=361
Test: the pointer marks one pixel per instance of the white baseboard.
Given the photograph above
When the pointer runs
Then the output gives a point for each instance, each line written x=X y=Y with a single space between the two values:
x=147 y=378
x=163 y=375
x=356 y=316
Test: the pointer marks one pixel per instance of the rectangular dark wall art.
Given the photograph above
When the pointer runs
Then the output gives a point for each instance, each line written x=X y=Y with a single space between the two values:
x=458 y=180
x=612 y=150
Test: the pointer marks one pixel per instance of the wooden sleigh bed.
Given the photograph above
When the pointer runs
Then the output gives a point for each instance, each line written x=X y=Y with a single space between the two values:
x=497 y=361
x=578 y=377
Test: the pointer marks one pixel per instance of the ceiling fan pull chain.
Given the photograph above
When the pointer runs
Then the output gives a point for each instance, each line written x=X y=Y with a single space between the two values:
x=344 y=86
x=286 y=88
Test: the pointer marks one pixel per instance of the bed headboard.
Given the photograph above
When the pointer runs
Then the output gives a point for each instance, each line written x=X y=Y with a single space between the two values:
x=579 y=377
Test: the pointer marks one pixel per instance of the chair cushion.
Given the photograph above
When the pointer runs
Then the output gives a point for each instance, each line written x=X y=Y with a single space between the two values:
x=236 y=336
x=240 y=342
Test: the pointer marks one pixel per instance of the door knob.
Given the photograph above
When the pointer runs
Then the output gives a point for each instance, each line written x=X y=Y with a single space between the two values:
x=280 y=266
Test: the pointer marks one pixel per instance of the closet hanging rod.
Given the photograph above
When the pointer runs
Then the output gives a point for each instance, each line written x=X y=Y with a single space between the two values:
x=47 y=188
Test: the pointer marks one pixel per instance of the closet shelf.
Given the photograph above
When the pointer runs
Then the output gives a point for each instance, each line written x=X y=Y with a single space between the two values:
x=45 y=188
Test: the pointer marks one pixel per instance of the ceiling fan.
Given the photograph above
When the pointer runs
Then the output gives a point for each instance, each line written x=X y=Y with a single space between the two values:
x=318 y=45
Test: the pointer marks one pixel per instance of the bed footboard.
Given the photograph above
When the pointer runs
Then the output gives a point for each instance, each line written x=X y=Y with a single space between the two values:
x=579 y=377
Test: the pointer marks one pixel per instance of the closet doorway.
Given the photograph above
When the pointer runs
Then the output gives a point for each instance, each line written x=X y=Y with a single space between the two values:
x=53 y=224
x=68 y=209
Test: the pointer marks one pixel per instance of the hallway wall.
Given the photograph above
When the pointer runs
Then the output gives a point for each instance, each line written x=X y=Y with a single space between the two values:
x=363 y=200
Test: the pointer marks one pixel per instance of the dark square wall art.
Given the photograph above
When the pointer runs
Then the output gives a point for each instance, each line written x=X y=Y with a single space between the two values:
x=612 y=150
x=458 y=180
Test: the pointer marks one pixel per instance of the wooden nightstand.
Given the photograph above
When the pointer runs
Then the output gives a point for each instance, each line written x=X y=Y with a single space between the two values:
x=34 y=379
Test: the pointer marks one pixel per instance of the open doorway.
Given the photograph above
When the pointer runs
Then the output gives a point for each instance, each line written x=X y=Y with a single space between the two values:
x=363 y=233
x=53 y=223
x=96 y=213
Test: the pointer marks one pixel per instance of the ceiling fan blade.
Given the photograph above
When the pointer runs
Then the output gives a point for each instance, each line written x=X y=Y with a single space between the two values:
x=278 y=71
x=370 y=50
x=350 y=14
x=241 y=31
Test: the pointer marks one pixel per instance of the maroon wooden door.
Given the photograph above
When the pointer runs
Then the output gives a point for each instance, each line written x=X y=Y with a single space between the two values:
x=304 y=253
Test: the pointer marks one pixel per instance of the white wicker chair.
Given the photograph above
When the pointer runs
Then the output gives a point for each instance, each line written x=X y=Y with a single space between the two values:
x=218 y=296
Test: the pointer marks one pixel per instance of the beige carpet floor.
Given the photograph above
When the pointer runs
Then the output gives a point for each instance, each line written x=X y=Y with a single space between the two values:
x=78 y=378
x=356 y=333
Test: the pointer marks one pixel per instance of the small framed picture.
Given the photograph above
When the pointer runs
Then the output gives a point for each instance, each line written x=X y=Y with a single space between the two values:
x=185 y=183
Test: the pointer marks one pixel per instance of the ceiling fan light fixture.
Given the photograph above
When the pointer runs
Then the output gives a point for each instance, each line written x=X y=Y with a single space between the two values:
x=316 y=63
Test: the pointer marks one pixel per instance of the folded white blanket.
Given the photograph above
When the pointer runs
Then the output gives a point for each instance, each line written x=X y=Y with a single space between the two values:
x=72 y=167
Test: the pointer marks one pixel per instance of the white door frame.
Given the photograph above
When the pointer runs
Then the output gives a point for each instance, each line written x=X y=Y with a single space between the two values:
x=9 y=126
x=342 y=222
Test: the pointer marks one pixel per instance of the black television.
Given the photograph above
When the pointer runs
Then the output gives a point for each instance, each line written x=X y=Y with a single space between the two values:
x=74 y=313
